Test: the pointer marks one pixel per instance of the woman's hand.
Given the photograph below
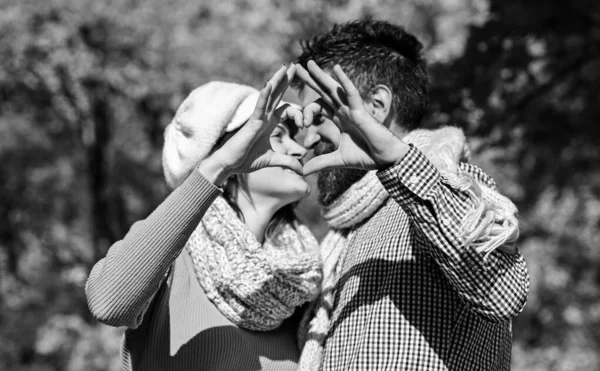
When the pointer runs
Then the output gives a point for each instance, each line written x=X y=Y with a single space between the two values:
x=250 y=149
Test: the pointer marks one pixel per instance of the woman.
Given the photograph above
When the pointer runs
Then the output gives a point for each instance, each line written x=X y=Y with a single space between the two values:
x=206 y=282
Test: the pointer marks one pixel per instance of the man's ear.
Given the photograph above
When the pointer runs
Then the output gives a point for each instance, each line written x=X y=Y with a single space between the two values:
x=380 y=104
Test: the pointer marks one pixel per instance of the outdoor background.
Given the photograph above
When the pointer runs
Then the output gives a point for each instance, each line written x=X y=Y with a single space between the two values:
x=87 y=87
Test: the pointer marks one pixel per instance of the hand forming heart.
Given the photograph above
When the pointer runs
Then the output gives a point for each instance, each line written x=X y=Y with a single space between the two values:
x=249 y=149
x=364 y=142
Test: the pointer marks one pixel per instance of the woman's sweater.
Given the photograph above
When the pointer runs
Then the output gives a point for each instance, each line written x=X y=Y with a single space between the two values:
x=147 y=283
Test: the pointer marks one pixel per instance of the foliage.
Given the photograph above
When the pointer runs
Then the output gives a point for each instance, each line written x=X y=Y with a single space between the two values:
x=87 y=88
x=527 y=88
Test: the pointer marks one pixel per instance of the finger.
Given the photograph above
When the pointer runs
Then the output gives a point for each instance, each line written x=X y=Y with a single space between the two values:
x=278 y=92
x=322 y=162
x=305 y=76
x=280 y=83
x=317 y=108
x=353 y=95
x=299 y=120
x=287 y=112
x=274 y=159
x=291 y=72
x=261 y=104
x=328 y=83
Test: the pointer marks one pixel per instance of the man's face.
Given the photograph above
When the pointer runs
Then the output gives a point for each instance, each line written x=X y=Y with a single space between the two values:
x=323 y=136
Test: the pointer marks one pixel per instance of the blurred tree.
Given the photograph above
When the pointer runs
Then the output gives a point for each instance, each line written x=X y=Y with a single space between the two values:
x=527 y=89
x=67 y=75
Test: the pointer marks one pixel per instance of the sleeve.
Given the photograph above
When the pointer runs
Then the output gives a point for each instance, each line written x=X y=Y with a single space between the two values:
x=495 y=287
x=121 y=286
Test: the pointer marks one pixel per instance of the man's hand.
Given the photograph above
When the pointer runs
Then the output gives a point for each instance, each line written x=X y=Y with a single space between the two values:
x=250 y=149
x=365 y=143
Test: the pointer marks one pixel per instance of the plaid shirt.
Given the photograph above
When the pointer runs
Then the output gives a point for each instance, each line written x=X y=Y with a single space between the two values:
x=411 y=296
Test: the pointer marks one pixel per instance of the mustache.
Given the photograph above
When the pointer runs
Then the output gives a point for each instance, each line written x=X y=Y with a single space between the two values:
x=322 y=148
x=332 y=183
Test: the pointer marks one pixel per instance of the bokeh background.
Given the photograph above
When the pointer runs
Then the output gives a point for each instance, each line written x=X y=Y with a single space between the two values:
x=87 y=87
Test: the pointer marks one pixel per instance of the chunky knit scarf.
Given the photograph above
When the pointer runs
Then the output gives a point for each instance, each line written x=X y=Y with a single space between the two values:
x=254 y=286
x=491 y=224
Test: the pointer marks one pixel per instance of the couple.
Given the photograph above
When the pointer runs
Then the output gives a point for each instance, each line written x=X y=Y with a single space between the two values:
x=418 y=272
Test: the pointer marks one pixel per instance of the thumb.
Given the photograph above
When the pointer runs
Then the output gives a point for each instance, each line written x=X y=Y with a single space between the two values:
x=321 y=162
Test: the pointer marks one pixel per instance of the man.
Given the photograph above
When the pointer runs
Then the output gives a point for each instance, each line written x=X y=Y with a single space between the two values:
x=420 y=271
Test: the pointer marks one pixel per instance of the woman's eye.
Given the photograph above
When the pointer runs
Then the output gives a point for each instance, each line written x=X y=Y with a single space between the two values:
x=278 y=132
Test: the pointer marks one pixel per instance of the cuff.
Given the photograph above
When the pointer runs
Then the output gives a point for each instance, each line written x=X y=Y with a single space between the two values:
x=412 y=179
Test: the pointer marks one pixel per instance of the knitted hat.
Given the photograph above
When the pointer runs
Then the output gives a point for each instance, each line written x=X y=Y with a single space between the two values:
x=210 y=111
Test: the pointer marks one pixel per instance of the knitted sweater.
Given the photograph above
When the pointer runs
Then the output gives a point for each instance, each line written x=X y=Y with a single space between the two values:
x=147 y=283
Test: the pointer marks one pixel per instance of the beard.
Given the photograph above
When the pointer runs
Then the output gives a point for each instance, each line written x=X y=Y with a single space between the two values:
x=335 y=181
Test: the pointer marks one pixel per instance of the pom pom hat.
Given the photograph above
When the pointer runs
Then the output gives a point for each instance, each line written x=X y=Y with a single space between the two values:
x=207 y=113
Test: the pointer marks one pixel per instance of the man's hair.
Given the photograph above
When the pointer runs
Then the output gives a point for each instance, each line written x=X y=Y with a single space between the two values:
x=373 y=52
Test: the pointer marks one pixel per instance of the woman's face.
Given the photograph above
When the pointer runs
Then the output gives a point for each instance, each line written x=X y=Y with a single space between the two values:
x=277 y=182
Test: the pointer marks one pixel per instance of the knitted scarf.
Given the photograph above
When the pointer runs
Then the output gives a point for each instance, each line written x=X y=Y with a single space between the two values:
x=491 y=224
x=254 y=286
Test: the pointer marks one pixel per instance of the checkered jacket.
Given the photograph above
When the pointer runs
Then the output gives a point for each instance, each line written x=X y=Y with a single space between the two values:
x=411 y=296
